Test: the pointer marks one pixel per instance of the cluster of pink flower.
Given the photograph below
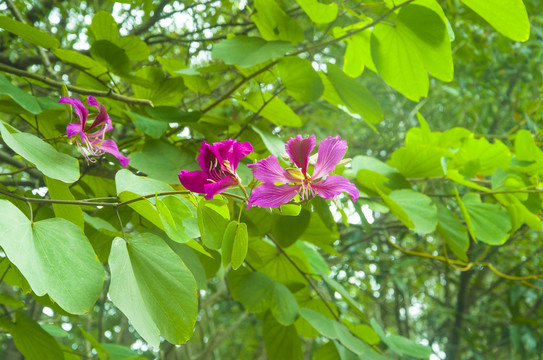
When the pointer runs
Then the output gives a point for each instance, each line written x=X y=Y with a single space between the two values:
x=220 y=160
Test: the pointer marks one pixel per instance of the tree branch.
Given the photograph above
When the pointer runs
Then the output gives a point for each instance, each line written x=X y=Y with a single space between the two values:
x=57 y=84
x=152 y=20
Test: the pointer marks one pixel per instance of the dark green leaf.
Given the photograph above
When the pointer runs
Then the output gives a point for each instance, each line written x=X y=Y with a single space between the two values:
x=246 y=51
x=29 y=33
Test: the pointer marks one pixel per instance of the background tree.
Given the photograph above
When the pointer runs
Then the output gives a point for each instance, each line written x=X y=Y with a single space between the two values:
x=439 y=102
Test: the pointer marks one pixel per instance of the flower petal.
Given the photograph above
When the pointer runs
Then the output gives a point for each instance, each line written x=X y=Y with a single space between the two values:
x=207 y=159
x=194 y=180
x=102 y=115
x=74 y=128
x=239 y=150
x=268 y=170
x=298 y=149
x=334 y=185
x=268 y=195
x=110 y=146
x=80 y=110
x=218 y=187
x=331 y=151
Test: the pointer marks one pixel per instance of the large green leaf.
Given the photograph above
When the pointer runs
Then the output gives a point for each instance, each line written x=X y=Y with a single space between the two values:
x=300 y=79
x=281 y=342
x=153 y=288
x=104 y=26
x=317 y=12
x=81 y=61
x=419 y=207
x=453 y=231
x=162 y=161
x=50 y=162
x=355 y=95
x=111 y=56
x=358 y=54
x=258 y=293
x=509 y=17
x=32 y=341
x=396 y=209
x=126 y=181
x=54 y=256
x=213 y=218
x=59 y=190
x=246 y=51
x=426 y=32
x=287 y=229
x=157 y=87
x=416 y=43
x=274 y=145
x=402 y=345
x=332 y=329
x=274 y=24
x=418 y=161
x=21 y=97
x=29 y=33
x=491 y=223
x=273 y=109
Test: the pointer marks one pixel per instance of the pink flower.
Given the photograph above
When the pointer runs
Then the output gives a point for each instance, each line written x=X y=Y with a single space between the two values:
x=296 y=180
x=219 y=162
x=92 y=143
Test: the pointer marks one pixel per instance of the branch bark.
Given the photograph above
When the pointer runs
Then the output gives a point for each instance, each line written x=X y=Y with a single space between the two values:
x=57 y=84
x=454 y=338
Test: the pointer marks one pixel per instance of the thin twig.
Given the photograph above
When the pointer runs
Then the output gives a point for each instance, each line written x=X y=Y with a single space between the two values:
x=57 y=84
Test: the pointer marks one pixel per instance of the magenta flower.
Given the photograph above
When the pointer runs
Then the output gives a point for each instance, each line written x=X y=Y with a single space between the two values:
x=91 y=140
x=219 y=162
x=296 y=180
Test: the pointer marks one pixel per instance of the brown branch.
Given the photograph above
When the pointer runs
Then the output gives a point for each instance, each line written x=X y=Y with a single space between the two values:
x=57 y=84
x=152 y=20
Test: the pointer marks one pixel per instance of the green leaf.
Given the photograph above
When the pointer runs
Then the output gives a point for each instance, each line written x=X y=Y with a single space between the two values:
x=104 y=26
x=397 y=63
x=162 y=161
x=152 y=127
x=21 y=97
x=258 y=293
x=274 y=24
x=452 y=231
x=525 y=147
x=274 y=145
x=246 y=51
x=111 y=56
x=228 y=242
x=287 y=229
x=396 y=209
x=49 y=161
x=275 y=110
x=102 y=353
x=135 y=48
x=317 y=12
x=59 y=190
x=334 y=330
x=160 y=89
x=55 y=330
x=319 y=234
x=281 y=342
x=358 y=54
x=491 y=223
x=54 y=256
x=508 y=17
x=240 y=246
x=82 y=62
x=419 y=208
x=126 y=181
x=353 y=304
x=300 y=79
x=213 y=217
x=418 y=161
x=426 y=32
x=418 y=42
x=32 y=341
x=402 y=345
x=153 y=288
x=119 y=352
x=29 y=33
x=478 y=156
x=355 y=95
x=182 y=226
x=8 y=300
